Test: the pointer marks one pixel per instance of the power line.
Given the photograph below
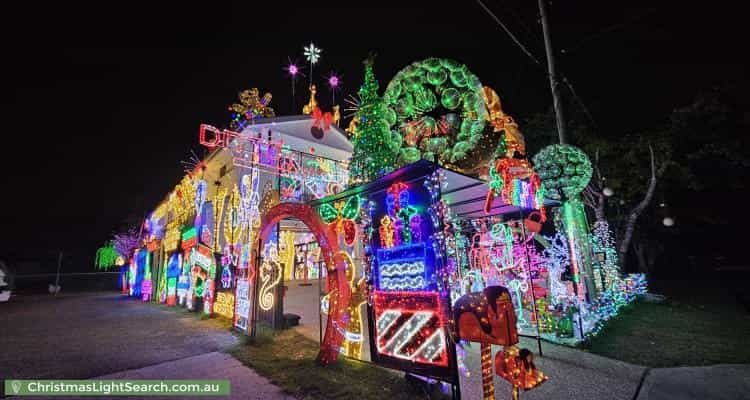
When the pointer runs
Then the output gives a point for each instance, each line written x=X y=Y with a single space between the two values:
x=512 y=36
x=537 y=62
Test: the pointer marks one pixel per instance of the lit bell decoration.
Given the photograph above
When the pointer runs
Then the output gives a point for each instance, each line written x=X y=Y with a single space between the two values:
x=517 y=367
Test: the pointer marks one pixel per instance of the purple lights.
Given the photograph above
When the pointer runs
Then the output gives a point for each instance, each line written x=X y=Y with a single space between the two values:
x=333 y=81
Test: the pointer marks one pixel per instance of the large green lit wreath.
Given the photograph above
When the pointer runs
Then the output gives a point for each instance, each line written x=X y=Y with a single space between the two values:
x=435 y=108
x=564 y=170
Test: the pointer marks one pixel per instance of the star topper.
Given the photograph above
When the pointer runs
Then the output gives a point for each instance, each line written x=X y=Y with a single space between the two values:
x=312 y=53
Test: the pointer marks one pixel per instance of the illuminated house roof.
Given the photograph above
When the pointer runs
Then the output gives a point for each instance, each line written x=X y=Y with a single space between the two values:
x=464 y=194
x=296 y=131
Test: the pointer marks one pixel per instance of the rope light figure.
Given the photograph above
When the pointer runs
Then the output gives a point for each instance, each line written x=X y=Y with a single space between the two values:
x=270 y=276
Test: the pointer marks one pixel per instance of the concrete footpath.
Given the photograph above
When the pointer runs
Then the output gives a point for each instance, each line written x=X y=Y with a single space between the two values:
x=716 y=382
x=579 y=375
x=245 y=383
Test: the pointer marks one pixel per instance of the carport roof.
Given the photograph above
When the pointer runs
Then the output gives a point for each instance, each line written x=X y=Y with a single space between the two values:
x=465 y=195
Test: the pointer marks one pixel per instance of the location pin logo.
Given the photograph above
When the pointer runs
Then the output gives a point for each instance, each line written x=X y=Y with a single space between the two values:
x=16 y=385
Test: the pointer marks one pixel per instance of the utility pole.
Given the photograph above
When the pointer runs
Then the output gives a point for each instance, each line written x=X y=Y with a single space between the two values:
x=556 y=99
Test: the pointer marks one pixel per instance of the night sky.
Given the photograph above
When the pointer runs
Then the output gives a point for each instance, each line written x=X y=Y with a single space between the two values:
x=101 y=101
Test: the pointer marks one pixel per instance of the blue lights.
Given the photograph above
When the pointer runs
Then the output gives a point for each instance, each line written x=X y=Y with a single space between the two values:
x=408 y=264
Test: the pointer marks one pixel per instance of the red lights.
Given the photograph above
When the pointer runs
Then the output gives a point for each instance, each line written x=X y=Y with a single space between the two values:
x=152 y=245
x=336 y=281
x=411 y=326
x=212 y=137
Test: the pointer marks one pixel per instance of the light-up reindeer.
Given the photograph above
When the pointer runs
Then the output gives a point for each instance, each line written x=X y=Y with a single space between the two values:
x=352 y=346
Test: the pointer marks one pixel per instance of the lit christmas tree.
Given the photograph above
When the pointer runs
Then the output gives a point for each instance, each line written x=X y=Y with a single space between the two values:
x=374 y=148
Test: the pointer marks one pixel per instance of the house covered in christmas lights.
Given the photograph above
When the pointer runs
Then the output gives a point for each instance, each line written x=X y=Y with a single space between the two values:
x=382 y=236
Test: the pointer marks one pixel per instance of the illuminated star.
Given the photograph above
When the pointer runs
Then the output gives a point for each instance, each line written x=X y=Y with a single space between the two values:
x=312 y=53
x=293 y=69
x=333 y=81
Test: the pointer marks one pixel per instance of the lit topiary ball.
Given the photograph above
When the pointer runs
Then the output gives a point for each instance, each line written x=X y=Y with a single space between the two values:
x=564 y=171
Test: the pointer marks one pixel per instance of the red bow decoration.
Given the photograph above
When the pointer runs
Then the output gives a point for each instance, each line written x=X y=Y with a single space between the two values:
x=322 y=119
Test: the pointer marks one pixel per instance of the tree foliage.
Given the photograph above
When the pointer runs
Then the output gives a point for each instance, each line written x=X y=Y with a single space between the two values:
x=700 y=147
x=375 y=149
x=125 y=243
x=106 y=256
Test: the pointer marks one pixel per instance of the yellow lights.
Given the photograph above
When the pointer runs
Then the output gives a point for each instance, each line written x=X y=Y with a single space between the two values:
x=185 y=199
x=517 y=367
x=218 y=207
x=386 y=232
x=286 y=254
x=313 y=103
x=224 y=304
x=161 y=211
x=233 y=220
x=353 y=338
x=488 y=387
x=270 y=198
x=172 y=236
x=181 y=202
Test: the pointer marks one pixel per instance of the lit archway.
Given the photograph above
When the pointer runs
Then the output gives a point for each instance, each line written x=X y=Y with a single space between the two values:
x=335 y=262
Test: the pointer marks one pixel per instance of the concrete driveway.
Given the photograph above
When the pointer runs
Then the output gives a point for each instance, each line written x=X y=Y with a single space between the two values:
x=77 y=336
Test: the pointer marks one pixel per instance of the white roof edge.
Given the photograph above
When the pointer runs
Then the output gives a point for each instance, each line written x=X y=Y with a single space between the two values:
x=270 y=122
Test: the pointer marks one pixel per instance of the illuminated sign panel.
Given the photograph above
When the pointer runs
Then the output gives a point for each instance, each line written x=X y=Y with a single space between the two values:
x=242 y=305
x=202 y=256
x=410 y=326
x=189 y=238
x=171 y=239
x=408 y=330
x=224 y=304
x=146 y=290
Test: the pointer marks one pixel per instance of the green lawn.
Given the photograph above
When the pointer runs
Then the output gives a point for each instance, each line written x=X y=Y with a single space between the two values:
x=287 y=359
x=692 y=328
